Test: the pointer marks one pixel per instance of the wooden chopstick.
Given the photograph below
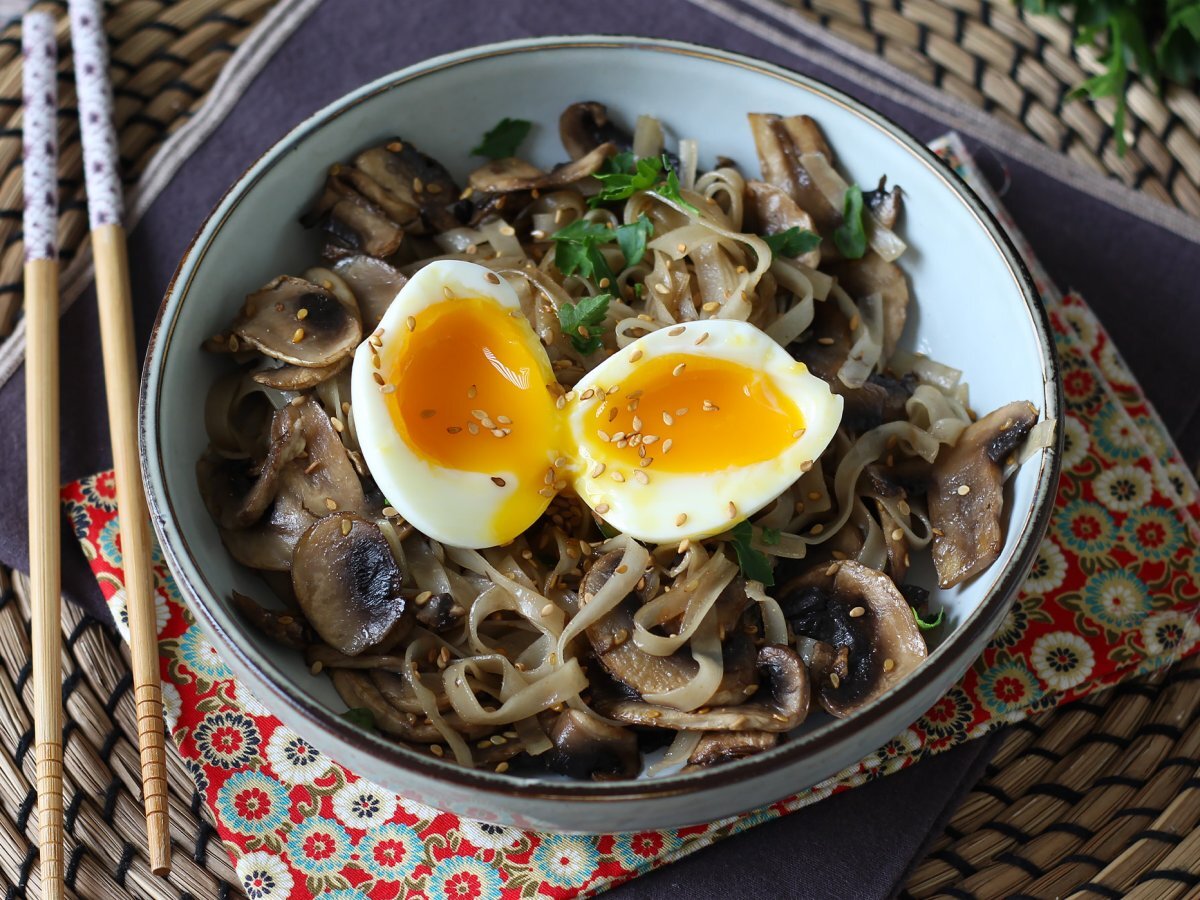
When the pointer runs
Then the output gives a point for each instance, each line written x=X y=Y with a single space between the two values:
x=105 y=209
x=40 y=126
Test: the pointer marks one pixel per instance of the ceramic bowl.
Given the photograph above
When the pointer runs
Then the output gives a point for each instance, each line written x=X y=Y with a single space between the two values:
x=975 y=309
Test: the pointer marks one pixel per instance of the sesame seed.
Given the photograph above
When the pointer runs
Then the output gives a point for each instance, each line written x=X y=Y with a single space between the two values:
x=561 y=402
x=375 y=340
x=493 y=277
x=856 y=612
x=437 y=749
x=378 y=378
x=598 y=470
x=560 y=485
x=711 y=306
x=854 y=322
x=375 y=361
x=641 y=476
x=682 y=411
x=316 y=667
x=832 y=570
x=346 y=526
x=487 y=423
x=964 y=489
x=903 y=508
x=588 y=394
x=798 y=433
x=473 y=428
x=635 y=355
x=604 y=436
x=653 y=714
x=682 y=248
x=645 y=460
x=297 y=335
x=814 y=495
x=425 y=414
x=897 y=534
x=889 y=664
x=667 y=445
x=501 y=432
x=746 y=389
x=446 y=292
x=637 y=424
x=825 y=341
x=472 y=391
x=709 y=406
x=618 y=477
x=680 y=520
x=612 y=413
x=677 y=331
x=732 y=510
x=834 y=680
x=498 y=740
x=649 y=438
x=547 y=609
x=603 y=282
x=817 y=529
x=806 y=466
x=498 y=481
x=418 y=185
x=479 y=414
x=501 y=767
x=602 y=508
x=668 y=419
x=547 y=492
x=453 y=429
x=411 y=323
x=799 y=506
x=662 y=288
x=312 y=467
x=330 y=504
x=678 y=370
x=937 y=532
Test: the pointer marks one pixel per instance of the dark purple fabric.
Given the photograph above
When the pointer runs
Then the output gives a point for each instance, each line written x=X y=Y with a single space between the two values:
x=856 y=844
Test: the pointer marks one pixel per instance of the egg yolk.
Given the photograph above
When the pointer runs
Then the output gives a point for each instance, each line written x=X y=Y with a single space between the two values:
x=692 y=414
x=471 y=395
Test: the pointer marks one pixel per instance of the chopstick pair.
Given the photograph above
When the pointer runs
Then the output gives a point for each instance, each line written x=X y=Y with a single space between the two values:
x=105 y=209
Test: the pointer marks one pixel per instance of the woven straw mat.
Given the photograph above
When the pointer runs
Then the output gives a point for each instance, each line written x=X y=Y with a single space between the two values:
x=1101 y=797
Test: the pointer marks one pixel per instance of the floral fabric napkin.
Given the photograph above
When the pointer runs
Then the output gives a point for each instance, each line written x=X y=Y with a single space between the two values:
x=1114 y=594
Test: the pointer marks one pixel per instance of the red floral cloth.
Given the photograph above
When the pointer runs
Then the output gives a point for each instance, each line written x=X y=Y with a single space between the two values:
x=1113 y=594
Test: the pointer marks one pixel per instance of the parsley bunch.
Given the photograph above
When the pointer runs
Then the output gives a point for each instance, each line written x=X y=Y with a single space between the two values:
x=1162 y=37
x=623 y=176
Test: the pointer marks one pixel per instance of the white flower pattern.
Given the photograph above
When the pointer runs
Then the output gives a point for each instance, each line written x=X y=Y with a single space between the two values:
x=1123 y=488
x=294 y=759
x=264 y=876
x=363 y=804
x=1062 y=659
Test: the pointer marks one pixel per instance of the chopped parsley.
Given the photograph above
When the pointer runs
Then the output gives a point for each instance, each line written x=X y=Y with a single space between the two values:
x=792 y=243
x=583 y=322
x=632 y=239
x=770 y=536
x=503 y=140
x=360 y=716
x=927 y=626
x=753 y=563
x=577 y=250
x=851 y=235
x=622 y=177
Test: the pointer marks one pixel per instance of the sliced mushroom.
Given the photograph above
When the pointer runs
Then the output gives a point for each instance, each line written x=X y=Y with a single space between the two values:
x=583 y=127
x=884 y=205
x=414 y=179
x=861 y=635
x=873 y=275
x=726 y=746
x=586 y=746
x=351 y=222
x=324 y=480
x=298 y=378
x=300 y=323
x=269 y=543
x=967 y=494
x=280 y=626
x=511 y=174
x=349 y=586
x=374 y=284
x=771 y=210
x=645 y=673
x=781 y=142
x=360 y=692
x=780 y=704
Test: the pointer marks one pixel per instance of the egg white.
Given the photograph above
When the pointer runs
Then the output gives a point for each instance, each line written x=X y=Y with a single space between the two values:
x=650 y=512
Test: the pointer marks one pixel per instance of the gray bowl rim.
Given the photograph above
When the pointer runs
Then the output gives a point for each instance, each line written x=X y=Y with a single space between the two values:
x=203 y=599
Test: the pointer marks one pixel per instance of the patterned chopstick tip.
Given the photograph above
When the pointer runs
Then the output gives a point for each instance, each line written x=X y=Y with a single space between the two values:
x=89 y=44
x=39 y=52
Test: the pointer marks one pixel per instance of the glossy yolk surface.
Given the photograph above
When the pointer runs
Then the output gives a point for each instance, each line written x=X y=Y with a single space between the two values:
x=694 y=414
x=471 y=396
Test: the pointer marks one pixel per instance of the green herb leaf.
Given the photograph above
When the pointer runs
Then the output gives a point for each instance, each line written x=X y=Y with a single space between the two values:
x=792 y=243
x=753 y=563
x=926 y=626
x=622 y=177
x=503 y=140
x=577 y=250
x=851 y=235
x=588 y=314
x=632 y=239
x=360 y=716
x=670 y=188
x=770 y=536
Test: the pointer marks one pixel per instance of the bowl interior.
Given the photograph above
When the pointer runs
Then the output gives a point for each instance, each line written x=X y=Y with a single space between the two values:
x=969 y=311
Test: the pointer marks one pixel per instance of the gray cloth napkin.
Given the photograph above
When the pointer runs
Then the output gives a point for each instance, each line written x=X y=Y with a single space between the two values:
x=855 y=844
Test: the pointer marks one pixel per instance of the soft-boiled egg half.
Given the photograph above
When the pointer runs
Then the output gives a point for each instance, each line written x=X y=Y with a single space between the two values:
x=689 y=429
x=681 y=434
x=451 y=407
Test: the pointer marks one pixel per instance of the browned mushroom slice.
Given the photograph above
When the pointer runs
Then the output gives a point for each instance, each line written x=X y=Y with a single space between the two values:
x=413 y=178
x=856 y=632
x=874 y=275
x=351 y=222
x=298 y=378
x=646 y=673
x=586 y=746
x=349 y=586
x=269 y=543
x=283 y=627
x=771 y=211
x=583 y=127
x=967 y=494
x=325 y=479
x=780 y=704
x=511 y=174
x=725 y=746
x=300 y=323
x=780 y=143
x=374 y=284
x=359 y=692
x=884 y=205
